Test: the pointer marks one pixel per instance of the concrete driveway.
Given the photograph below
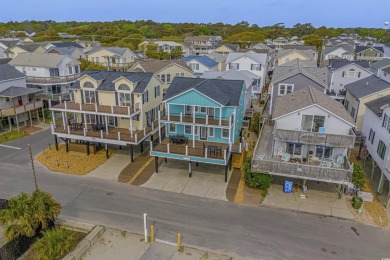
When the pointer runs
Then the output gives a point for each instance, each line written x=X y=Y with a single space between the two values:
x=207 y=180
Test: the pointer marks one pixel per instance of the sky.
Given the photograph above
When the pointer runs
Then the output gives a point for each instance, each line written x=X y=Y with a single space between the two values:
x=330 y=13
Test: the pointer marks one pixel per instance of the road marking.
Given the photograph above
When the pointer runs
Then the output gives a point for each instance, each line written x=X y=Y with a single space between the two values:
x=140 y=171
x=12 y=147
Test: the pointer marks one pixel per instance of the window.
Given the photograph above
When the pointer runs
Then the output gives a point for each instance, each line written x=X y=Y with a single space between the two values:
x=255 y=66
x=157 y=91
x=196 y=130
x=70 y=70
x=89 y=96
x=285 y=89
x=294 y=149
x=181 y=74
x=188 y=110
x=353 y=112
x=371 y=136
x=123 y=87
x=162 y=77
x=172 y=128
x=211 y=132
x=203 y=110
x=196 y=109
x=124 y=99
x=346 y=104
x=76 y=69
x=381 y=149
x=88 y=84
x=194 y=66
x=188 y=129
x=324 y=152
x=386 y=122
x=54 y=72
x=312 y=123
x=225 y=133
x=145 y=97
x=353 y=74
x=168 y=78
x=235 y=66
x=97 y=59
x=111 y=121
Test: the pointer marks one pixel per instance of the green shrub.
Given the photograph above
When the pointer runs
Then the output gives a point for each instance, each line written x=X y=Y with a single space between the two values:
x=358 y=176
x=261 y=102
x=255 y=180
x=357 y=202
x=255 y=123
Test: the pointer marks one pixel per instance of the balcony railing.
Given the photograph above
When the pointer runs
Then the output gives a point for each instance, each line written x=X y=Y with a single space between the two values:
x=116 y=65
x=117 y=134
x=304 y=171
x=204 y=120
x=332 y=140
x=21 y=109
x=104 y=109
x=52 y=80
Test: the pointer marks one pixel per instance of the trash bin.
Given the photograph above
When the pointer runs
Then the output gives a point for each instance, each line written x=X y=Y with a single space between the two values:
x=357 y=202
x=288 y=186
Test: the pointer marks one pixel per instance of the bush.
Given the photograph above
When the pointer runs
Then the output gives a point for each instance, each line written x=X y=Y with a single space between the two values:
x=261 y=102
x=358 y=176
x=357 y=202
x=255 y=180
x=255 y=123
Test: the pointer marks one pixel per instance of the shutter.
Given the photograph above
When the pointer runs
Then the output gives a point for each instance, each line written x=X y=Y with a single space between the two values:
x=147 y=95
x=343 y=74
x=260 y=66
x=384 y=119
x=359 y=74
x=132 y=99
x=116 y=98
x=97 y=97
x=373 y=137
x=82 y=96
x=238 y=66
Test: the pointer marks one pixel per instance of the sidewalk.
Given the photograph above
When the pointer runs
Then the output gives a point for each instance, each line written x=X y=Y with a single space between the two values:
x=111 y=169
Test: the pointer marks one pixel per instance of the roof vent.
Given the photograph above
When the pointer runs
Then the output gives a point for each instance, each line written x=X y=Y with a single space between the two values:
x=367 y=83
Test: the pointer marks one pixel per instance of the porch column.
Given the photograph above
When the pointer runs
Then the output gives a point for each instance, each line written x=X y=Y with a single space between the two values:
x=156 y=163
x=381 y=182
x=63 y=119
x=106 y=147
x=373 y=169
x=226 y=171
x=106 y=123
x=67 y=145
x=24 y=121
x=131 y=153
x=9 y=123
x=193 y=136
x=165 y=159
x=38 y=114
x=17 y=121
x=43 y=115
x=85 y=121
x=56 y=142
x=87 y=147
x=29 y=115
x=388 y=198
x=53 y=118
x=131 y=126
x=189 y=169
x=141 y=147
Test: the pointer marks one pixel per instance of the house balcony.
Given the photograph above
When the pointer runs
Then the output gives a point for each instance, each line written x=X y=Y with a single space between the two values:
x=16 y=110
x=191 y=119
x=194 y=150
x=369 y=58
x=256 y=89
x=340 y=94
x=52 y=80
x=125 y=65
x=71 y=106
x=110 y=135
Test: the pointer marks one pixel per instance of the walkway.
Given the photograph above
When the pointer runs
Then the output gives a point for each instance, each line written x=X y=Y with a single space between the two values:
x=111 y=169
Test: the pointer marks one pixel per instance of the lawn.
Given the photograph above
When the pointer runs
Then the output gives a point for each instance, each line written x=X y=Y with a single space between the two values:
x=12 y=135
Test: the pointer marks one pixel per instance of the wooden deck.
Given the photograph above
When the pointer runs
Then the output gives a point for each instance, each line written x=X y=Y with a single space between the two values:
x=196 y=120
x=73 y=106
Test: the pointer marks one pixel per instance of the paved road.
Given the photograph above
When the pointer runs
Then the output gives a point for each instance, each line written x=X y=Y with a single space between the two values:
x=245 y=231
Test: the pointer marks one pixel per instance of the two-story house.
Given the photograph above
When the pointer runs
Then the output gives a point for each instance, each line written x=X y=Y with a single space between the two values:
x=74 y=52
x=344 y=72
x=27 y=47
x=165 y=46
x=369 y=53
x=362 y=91
x=166 y=70
x=377 y=65
x=384 y=74
x=295 y=75
x=257 y=63
x=18 y=104
x=376 y=129
x=53 y=73
x=286 y=55
x=200 y=64
x=112 y=108
x=203 y=121
x=87 y=44
x=202 y=44
x=225 y=49
x=114 y=58
x=342 y=51
x=279 y=42
x=8 y=43
x=309 y=138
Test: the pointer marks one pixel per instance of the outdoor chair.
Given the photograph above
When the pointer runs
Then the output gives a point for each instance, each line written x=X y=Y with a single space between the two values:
x=280 y=151
x=219 y=150
x=286 y=157
x=340 y=159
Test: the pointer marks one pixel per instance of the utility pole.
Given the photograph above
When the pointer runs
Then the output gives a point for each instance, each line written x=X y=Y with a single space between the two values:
x=33 y=168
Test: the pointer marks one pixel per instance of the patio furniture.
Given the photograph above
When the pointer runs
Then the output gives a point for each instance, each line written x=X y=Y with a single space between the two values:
x=326 y=164
x=280 y=151
x=212 y=149
x=286 y=157
x=340 y=158
x=337 y=165
x=219 y=150
x=177 y=139
x=260 y=157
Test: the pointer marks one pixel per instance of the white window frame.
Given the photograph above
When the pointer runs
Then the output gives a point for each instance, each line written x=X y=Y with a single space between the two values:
x=211 y=129
x=124 y=104
x=255 y=66
x=286 y=86
x=170 y=128
x=225 y=137
x=70 y=70
x=186 y=127
x=234 y=65
x=85 y=96
x=179 y=74
x=203 y=108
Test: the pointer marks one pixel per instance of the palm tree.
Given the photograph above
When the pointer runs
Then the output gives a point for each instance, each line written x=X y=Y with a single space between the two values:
x=26 y=215
x=54 y=244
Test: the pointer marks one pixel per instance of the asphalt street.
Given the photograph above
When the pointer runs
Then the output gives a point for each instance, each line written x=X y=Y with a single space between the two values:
x=242 y=231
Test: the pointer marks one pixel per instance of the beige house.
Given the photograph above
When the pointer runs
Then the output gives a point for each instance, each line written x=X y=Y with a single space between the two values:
x=362 y=91
x=284 y=56
x=227 y=48
x=166 y=70
x=111 y=107
x=114 y=58
x=18 y=49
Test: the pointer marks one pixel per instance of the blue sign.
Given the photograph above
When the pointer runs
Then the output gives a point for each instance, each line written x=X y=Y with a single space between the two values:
x=288 y=186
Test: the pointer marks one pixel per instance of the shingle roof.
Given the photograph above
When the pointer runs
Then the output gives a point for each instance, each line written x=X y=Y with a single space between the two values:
x=231 y=74
x=232 y=46
x=207 y=61
x=302 y=63
x=241 y=50
x=376 y=105
x=261 y=58
x=106 y=79
x=300 y=47
x=7 y=72
x=387 y=70
x=380 y=64
x=306 y=53
x=117 y=50
x=225 y=92
x=45 y=60
x=64 y=50
x=262 y=46
x=9 y=44
x=329 y=48
x=319 y=75
x=67 y=44
x=18 y=91
x=367 y=86
x=217 y=57
x=305 y=97
x=336 y=64
x=5 y=60
x=153 y=65
x=363 y=48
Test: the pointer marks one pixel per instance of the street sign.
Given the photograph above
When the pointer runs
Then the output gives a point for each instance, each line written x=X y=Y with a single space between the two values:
x=366 y=196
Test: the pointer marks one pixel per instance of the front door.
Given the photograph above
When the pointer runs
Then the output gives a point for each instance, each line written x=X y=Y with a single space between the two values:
x=203 y=133
x=20 y=101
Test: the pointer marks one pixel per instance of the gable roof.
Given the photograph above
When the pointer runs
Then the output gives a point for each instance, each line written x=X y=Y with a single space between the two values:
x=224 y=92
x=65 y=50
x=299 y=47
x=231 y=46
x=231 y=74
x=367 y=86
x=153 y=65
x=262 y=46
x=13 y=91
x=45 y=60
x=319 y=75
x=306 y=53
x=117 y=50
x=337 y=64
x=29 y=47
x=330 y=48
x=10 y=43
x=106 y=79
x=217 y=57
x=309 y=96
x=377 y=105
x=258 y=57
x=67 y=44
x=380 y=63
x=7 y=72
x=205 y=60
x=363 y=48
x=302 y=63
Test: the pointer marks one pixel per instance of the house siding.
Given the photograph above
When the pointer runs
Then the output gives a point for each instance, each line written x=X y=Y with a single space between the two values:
x=337 y=82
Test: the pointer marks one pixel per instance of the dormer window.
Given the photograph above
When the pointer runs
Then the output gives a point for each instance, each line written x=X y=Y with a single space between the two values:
x=124 y=87
x=88 y=84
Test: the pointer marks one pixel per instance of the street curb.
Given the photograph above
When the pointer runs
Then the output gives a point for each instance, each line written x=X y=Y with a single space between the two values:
x=75 y=225
x=85 y=244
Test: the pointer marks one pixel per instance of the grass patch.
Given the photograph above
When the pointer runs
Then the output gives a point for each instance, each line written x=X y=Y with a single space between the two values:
x=12 y=135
